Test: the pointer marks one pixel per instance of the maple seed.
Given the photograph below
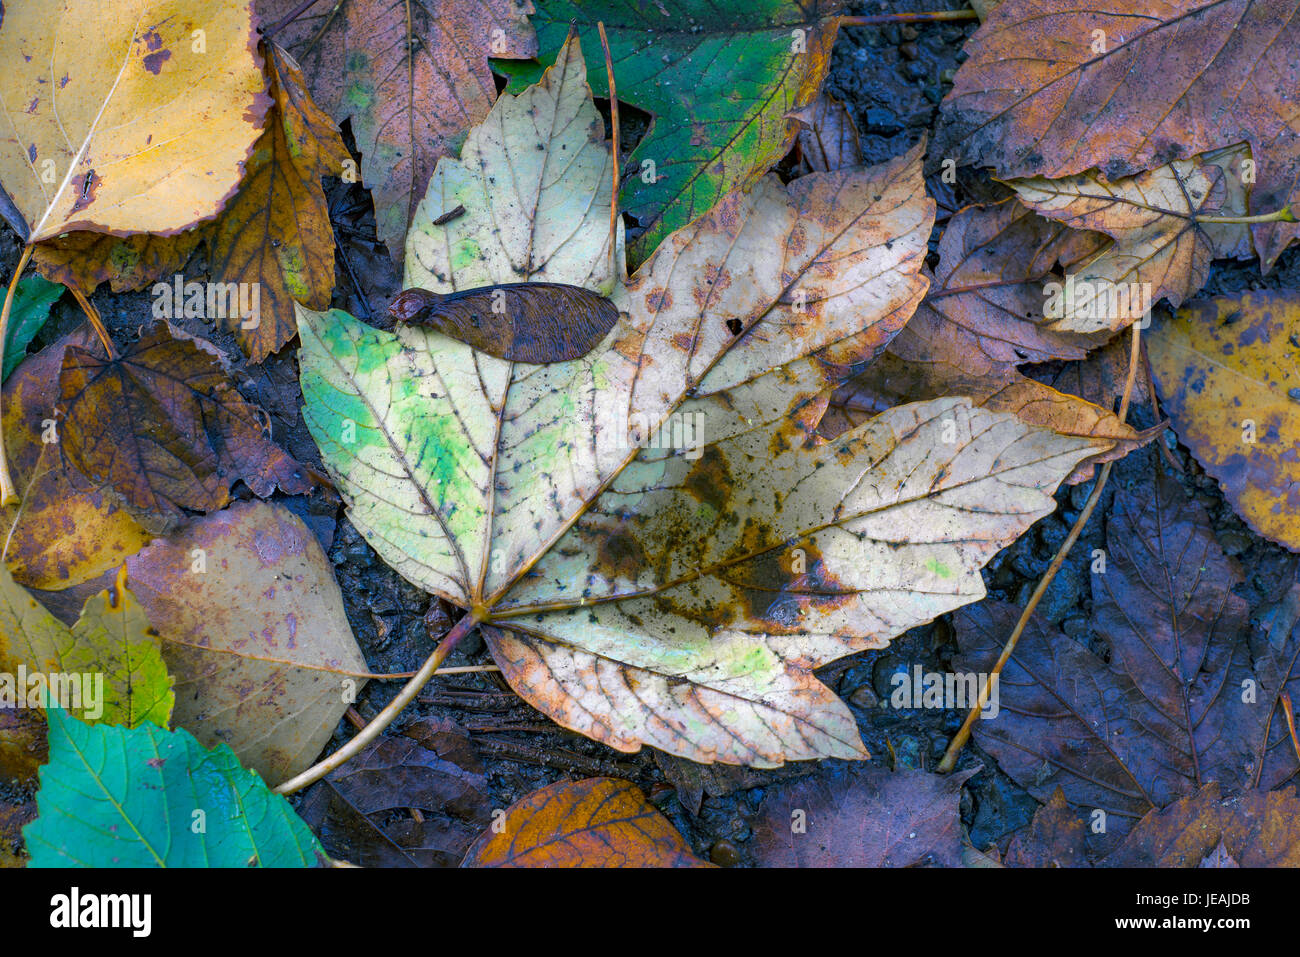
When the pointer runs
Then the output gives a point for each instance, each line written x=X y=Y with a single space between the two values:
x=535 y=322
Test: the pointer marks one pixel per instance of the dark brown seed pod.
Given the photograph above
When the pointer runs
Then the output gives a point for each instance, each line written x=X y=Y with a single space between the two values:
x=524 y=322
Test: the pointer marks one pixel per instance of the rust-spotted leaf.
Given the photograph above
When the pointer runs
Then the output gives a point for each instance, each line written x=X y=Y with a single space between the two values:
x=599 y=822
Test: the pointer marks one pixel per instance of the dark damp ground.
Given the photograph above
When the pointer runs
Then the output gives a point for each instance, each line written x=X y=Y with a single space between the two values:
x=893 y=79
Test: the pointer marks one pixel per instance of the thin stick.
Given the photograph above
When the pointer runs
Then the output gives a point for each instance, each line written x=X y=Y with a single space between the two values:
x=882 y=18
x=95 y=320
x=382 y=720
x=1290 y=722
x=8 y=494
x=963 y=734
x=289 y=18
x=613 y=122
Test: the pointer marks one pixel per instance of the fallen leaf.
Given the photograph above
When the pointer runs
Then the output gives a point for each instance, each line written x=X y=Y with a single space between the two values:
x=163 y=426
x=1056 y=837
x=118 y=797
x=254 y=631
x=861 y=816
x=84 y=260
x=86 y=146
x=1228 y=378
x=599 y=822
x=362 y=811
x=719 y=82
x=12 y=819
x=828 y=138
x=524 y=322
x=1055 y=87
x=31 y=307
x=1254 y=829
x=61 y=533
x=1162 y=250
x=679 y=593
x=411 y=78
x=275 y=235
x=1166 y=715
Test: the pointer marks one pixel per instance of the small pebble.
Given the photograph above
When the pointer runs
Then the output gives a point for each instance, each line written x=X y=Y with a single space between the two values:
x=724 y=854
x=882 y=122
x=910 y=51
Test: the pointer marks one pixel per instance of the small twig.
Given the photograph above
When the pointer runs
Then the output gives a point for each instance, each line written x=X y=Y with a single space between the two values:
x=939 y=17
x=323 y=27
x=963 y=734
x=1290 y=722
x=8 y=494
x=96 y=321
x=354 y=718
x=289 y=18
x=382 y=720
x=613 y=122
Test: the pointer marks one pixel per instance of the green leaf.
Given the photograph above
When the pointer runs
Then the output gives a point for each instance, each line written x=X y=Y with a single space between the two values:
x=719 y=79
x=31 y=307
x=145 y=797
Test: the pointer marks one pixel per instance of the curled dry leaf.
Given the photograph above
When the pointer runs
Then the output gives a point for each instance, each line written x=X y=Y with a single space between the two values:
x=720 y=86
x=680 y=592
x=61 y=534
x=86 y=146
x=414 y=799
x=1228 y=378
x=861 y=816
x=599 y=822
x=1168 y=713
x=524 y=322
x=253 y=630
x=1207 y=829
x=411 y=78
x=1162 y=249
x=1056 y=87
x=163 y=426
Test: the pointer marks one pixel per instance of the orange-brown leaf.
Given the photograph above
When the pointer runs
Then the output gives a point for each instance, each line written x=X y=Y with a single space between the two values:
x=599 y=822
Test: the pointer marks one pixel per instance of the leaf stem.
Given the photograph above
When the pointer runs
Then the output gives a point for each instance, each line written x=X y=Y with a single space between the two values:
x=96 y=321
x=963 y=734
x=382 y=720
x=939 y=17
x=8 y=494
x=288 y=18
x=1283 y=215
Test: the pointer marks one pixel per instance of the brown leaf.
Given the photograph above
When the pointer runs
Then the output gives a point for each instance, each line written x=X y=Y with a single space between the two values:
x=411 y=77
x=84 y=260
x=362 y=811
x=599 y=822
x=829 y=137
x=1056 y=837
x=276 y=233
x=1254 y=829
x=1167 y=714
x=1054 y=87
x=534 y=322
x=61 y=534
x=861 y=816
x=254 y=632
x=165 y=429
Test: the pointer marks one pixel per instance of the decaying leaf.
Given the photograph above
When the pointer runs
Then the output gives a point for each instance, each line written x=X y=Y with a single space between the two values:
x=1056 y=87
x=599 y=822
x=119 y=797
x=253 y=630
x=1056 y=837
x=411 y=77
x=84 y=260
x=86 y=146
x=679 y=592
x=720 y=84
x=112 y=639
x=1254 y=829
x=275 y=235
x=828 y=137
x=1168 y=713
x=414 y=799
x=861 y=816
x=61 y=533
x=163 y=426
x=524 y=322
x=1228 y=378
x=1161 y=249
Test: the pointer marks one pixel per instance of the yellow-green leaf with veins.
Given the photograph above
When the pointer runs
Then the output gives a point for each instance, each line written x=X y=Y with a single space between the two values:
x=659 y=552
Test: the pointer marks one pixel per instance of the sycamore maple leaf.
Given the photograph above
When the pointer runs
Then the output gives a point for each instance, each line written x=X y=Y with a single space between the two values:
x=656 y=551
